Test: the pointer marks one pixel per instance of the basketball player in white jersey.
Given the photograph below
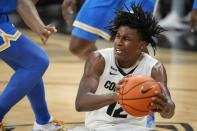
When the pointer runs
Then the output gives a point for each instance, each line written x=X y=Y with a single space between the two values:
x=105 y=69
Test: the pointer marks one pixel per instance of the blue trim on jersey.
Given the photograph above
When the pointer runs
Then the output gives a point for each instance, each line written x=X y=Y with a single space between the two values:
x=195 y=4
x=8 y=6
x=6 y=26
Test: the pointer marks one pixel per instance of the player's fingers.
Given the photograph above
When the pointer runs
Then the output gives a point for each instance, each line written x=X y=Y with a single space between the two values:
x=192 y=25
x=72 y=7
x=121 y=81
x=51 y=27
x=44 y=40
x=155 y=110
x=161 y=96
x=157 y=107
x=159 y=101
x=47 y=31
x=44 y=34
x=65 y=6
x=65 y=16
x=44 y=31
x=118 y=87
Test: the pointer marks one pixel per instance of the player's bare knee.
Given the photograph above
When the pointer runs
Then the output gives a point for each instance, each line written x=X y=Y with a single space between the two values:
x=75 y=49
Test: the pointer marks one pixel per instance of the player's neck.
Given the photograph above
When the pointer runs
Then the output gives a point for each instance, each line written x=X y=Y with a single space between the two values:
x=129 y=64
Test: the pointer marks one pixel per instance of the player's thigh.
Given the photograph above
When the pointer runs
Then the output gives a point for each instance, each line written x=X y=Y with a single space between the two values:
x=78 y=43
x=24 y=52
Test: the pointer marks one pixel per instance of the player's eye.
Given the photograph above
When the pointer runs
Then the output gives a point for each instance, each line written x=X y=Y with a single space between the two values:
x=117 y=35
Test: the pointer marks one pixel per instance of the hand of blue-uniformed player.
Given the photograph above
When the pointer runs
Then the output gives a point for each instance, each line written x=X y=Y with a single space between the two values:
x=68 y=5
x=193 y=19
x=46 y=31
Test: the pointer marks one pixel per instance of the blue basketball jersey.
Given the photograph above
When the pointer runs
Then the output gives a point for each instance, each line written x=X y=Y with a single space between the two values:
x=8 y=6
x=7 y=31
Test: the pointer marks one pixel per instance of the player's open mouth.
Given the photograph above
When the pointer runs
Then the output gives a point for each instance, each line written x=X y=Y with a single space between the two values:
x=119 y=51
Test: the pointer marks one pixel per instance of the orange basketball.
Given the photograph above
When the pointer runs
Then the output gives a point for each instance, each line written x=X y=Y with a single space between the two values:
x=136 y=95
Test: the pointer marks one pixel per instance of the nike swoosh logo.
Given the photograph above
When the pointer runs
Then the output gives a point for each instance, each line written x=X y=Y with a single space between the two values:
x=147 y=90
x=112 y=73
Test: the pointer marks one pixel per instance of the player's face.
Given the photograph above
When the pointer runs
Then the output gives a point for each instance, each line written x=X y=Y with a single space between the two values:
x=127 y=44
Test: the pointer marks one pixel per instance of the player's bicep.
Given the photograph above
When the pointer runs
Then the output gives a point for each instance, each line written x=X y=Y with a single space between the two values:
x=159 y=74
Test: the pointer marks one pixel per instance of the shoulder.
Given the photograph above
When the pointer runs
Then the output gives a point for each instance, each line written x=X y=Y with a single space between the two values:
x=149 y=60
x=95 y=57
x=159 y=72
x=95 y=63
x=106 y=51
x=147 y=56
x=158 y=66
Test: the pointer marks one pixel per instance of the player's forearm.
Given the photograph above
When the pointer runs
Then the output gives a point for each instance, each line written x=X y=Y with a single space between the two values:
x=90 y=101
x=29 y=14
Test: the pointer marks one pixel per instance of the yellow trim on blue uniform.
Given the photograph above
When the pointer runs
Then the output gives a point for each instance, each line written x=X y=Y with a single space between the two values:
x=91 y=29
x=155 y=9
x=7 y=37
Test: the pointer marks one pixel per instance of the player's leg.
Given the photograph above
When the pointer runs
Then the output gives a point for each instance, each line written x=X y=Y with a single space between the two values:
x=81 y=47
x=32 y=62
x=37 y=99
x=43 y=119
x=89 y=27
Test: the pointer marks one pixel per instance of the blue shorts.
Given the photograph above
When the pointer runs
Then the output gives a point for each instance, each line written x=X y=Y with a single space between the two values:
x=97 y=14
x=7 y=32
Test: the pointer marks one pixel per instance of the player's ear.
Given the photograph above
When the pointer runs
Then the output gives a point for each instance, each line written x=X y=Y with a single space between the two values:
x=142 y=45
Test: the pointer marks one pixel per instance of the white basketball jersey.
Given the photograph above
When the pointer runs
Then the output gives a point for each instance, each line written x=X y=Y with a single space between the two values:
x=113 y=114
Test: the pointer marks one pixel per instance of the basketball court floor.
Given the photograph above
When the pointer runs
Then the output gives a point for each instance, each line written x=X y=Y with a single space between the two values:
x=64 y=73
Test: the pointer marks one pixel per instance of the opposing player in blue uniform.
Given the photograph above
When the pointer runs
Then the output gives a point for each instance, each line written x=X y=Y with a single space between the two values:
x=91 y=20
x=28 y=60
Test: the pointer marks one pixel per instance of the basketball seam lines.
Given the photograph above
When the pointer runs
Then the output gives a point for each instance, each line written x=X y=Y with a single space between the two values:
x=136 y=86
x=134 y=108
x=138 y=98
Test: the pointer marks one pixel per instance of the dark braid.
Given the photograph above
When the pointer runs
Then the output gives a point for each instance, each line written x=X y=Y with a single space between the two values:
x=145 y=24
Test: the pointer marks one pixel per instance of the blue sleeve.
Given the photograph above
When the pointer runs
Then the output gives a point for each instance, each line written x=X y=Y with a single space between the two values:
x=195 y=4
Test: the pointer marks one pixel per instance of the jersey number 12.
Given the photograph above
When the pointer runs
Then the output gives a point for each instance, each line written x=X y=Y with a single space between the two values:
x=115 y=113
